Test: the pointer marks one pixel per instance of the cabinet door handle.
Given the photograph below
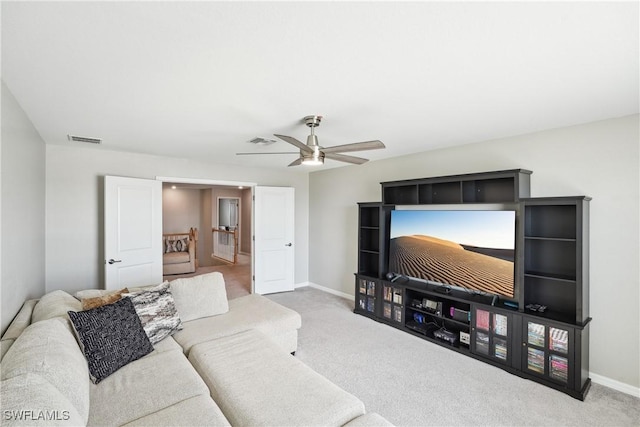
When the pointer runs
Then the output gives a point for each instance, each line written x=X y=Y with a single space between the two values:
x=289 y=244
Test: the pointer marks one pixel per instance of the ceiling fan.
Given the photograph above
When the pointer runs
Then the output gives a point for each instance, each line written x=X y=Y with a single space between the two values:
x=312 y=153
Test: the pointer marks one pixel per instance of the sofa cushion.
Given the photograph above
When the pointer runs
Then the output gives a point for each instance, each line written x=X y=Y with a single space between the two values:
x=248 y=312
x=54 y=304
x=256 y=383
x=157 y=311
x=89 y=303
x=144 y=387
x=167 y=344
x=196 y=411
x=29 y=400
x=176 y=258
x=200 y=296
x=111 y=336
x=49 y=349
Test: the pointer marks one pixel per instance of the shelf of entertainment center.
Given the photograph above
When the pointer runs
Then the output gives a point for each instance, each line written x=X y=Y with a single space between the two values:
x=426 y=331
x=441 y=317
x=485 y=187
x=555 y=278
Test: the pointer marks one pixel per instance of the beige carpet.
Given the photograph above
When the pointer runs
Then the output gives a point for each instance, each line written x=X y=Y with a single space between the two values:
x=413 y=382
x=237 y=278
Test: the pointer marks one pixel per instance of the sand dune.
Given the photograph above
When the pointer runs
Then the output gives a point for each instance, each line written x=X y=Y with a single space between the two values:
x=447 y=262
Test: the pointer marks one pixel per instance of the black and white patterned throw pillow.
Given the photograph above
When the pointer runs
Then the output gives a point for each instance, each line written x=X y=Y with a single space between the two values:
x=157 y=311
x=111 y=336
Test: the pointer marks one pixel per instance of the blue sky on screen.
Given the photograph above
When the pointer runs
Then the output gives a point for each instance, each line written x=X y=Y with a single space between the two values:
x=487 y=229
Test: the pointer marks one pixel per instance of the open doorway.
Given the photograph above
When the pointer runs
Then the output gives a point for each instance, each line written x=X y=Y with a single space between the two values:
x=212 y=211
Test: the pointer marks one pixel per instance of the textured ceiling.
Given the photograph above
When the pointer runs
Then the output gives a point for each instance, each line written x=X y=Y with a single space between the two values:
x=200 y=79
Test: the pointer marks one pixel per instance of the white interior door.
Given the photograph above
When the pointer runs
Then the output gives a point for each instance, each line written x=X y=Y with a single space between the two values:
x=273 y=245
x=133 y=232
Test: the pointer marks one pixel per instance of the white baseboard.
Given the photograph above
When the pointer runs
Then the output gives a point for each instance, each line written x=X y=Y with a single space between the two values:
x=616 y=385
x=325 y=289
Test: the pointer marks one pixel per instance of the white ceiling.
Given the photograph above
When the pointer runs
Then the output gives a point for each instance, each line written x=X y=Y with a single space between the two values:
x=200 y=79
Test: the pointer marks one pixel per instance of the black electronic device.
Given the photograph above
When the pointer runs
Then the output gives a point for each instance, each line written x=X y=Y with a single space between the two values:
x=444 y=335
x=432 y=306
x=460 y=315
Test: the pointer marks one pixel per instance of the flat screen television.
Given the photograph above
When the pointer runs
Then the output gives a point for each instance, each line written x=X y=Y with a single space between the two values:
x=469 y=249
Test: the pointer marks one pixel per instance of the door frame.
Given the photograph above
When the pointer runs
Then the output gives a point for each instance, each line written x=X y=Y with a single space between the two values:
x=252 y=185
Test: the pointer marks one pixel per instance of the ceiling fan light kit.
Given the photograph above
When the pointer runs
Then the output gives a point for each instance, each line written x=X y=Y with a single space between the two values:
x=313 y=154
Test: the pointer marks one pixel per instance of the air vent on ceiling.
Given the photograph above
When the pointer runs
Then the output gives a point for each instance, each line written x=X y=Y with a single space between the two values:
x=84 y=139
x=258 y=140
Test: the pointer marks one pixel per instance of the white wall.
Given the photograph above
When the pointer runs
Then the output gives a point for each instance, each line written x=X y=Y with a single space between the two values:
x=598 y=159
x=23 y=215
x=180 y=210
x=74 y=206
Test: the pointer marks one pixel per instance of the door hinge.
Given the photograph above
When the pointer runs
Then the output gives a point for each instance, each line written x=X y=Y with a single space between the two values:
x=253 y=278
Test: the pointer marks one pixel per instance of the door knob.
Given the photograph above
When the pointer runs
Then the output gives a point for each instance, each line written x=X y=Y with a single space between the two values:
x=289 y=244
x=113 y=261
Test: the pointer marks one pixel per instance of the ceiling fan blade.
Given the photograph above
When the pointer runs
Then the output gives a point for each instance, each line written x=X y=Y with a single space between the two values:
x=356 y=146
x=268 y=152
x=291 y=140
x=296 y=162
x=347 y=159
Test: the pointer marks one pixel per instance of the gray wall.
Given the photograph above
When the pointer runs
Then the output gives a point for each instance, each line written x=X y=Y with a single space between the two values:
x=180 y=209
x=22 y=212
x=74 y=203
x=599 y=159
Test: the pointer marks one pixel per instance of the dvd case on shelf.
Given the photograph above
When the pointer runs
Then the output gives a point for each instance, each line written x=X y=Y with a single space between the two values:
x=387 y=293
x=386 y=310
x=371 y=288
x=362 y=286
x=500 y=348
x=482 y=343
x=535 y=334
x=397 y=314
x=500 y=324
x=558 y=368
x=397 y=296
x=371 y=304
x=482 y=320
x=535 y=360
x=363 y=303
x=559 y=340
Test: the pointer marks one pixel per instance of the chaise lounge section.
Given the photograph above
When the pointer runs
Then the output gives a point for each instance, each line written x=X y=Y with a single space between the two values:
x=229 y=368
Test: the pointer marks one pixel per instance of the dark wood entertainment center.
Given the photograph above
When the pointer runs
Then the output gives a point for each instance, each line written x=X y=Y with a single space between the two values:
x=550 y=347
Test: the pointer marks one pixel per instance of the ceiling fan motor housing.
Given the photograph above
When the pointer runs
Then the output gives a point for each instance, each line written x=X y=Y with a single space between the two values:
x=312 y=121
x=312 y=141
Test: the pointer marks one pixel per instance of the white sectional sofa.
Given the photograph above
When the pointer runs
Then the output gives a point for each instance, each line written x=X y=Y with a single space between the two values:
x=234 y=368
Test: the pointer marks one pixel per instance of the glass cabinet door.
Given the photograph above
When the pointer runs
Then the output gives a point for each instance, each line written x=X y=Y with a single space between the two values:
x=366 y=295
x=392 y=303
x=491 y=334
x=548 y=351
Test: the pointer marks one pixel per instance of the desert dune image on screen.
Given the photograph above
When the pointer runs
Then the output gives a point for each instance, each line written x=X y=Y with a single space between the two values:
x=469 y=249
